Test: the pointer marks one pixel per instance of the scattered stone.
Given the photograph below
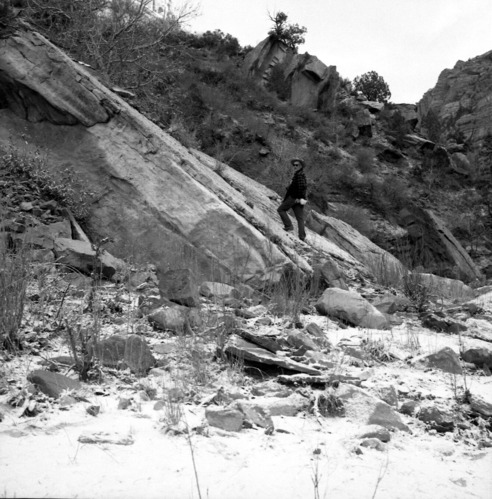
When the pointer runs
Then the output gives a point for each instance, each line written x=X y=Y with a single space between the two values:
x=105 y=437
x=93 y=410
x=480 y=405
x=52 y=384
x=442 y=324
x=373 y=443
x=269 y=342
x=440 y=419
x=176 y=318
x=374 y=431
x=446 y=360
x=389 y=395
x=255 y=413
x=179 y=286
x=331 y=275
x=389 y=303
x=66 y=401
x=217 y=290
x=124 y=403
x=409 y=407
x=244 y=350
x=79 y=255
x=363 y=407
x=478 y=356
x=350 y=307
x=224 y=418
x=298 y=339
x=320 y=380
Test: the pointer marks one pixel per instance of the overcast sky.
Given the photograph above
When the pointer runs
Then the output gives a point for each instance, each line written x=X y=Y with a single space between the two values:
x=407 y=42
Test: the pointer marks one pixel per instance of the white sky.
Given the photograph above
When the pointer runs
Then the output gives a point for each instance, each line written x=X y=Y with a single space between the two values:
x=407 y=42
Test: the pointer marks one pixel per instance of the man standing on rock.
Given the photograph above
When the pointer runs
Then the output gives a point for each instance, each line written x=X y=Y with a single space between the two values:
x=295 y=198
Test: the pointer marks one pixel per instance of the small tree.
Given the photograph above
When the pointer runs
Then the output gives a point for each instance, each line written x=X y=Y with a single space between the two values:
x=373 y=86
x=432 y=124
x=290 y=34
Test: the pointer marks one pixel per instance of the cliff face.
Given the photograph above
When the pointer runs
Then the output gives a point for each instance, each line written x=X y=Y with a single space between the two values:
x=312 y=84
x=462 y=99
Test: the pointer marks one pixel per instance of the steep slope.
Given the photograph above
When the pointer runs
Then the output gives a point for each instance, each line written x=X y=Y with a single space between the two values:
x=153 y=197
x=462 y=99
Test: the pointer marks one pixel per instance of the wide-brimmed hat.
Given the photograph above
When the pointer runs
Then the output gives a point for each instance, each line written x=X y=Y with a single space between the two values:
x=297 y=160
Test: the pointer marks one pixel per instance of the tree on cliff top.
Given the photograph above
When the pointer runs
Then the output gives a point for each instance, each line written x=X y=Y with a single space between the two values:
x=373 y=86
x=290 y=34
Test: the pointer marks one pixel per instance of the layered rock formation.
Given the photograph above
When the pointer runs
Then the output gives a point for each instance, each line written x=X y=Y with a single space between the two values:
x=153 y=197
x=312 y=84
x=462 y=99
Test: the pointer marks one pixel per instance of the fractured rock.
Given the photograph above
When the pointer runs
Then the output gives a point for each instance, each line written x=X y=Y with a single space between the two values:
x=81 y=256
x=242 y=349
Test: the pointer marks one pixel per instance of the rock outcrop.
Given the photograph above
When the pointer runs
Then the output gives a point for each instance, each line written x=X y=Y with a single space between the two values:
x=312 y=84
x=431 y=245
x=462 y=99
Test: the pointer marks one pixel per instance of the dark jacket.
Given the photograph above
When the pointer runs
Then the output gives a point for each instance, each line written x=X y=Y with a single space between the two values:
x=298 y=187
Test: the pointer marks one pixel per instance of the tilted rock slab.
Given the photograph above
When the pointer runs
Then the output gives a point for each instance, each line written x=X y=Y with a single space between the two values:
x=152 y=196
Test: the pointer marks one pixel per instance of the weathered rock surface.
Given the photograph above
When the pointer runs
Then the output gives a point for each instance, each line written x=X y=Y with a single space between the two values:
x=377 y=260
x=80 y=255
x=362 y=406
x=350 y=307
x=312 y=84
x=461 y=98
x=245 y=350
x=446 y=360
x=433 y=246
x=52 y=384
x=153 y=194
x=225 y=418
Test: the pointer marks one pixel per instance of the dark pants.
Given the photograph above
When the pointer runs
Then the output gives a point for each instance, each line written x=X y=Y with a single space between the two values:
x=298 y=210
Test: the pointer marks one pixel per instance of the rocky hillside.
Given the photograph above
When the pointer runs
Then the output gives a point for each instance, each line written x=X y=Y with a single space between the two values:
x=461 y=100
x=219 y=355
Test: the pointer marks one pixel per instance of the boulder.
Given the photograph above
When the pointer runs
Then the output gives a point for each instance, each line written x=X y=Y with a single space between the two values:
x=218 y=290
x=179 y=286
x=349 y=306
x=52 y=384
x=43 y=236
x=175 y=318
x=446 y=360
x=225 y=418
x=79 y=255
x=331 y=275
x=479 y=356
x=363 y=407
x=120 y=352
x=439 y=418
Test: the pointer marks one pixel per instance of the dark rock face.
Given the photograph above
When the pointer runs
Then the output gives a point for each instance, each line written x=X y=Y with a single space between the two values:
x=312 y=84
x=461 y=98
x=431 y=245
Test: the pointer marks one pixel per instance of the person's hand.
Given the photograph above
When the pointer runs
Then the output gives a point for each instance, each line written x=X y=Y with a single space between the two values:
x=302 y=201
